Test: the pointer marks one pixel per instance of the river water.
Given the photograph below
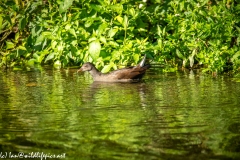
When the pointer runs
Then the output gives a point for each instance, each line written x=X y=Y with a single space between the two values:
x=182 y=115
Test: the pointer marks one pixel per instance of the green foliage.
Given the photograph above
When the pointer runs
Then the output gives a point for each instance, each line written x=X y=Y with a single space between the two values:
x=113 y=33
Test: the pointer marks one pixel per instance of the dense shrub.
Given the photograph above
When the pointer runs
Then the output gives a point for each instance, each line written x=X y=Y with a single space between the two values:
x=111 y=33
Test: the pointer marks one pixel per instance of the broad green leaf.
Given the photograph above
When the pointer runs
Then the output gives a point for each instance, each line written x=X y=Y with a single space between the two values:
x=46 y=33
x=92 y=39
x=49 y=57
x=68 y=26
x=22 y=23
x=94 y=49
x=57 y=64
x=125 y=22
x=136 y=58
x=112 y=32
x=72 y=31
x=132 y=12
x=9 y=45
x=88 y=23
x=53 y=44
x=179 y=54
x=117 y=8
x=31 y=62
x=119 y=19
x=106 y=68
x=39 y=39
x=102 y=28
x=16 y=36
x=113 y=44
x=103 y=39
x=96 y=7
x=236 y=56
x=22 y=48
x=65 y=5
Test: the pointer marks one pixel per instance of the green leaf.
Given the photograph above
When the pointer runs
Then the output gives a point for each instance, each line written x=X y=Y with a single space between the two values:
x=65 y=5
x=125 y=22
x=102 y=28
x=119 y=19
x=22 y=23
x=22 y=48
x=106 y=68
x=179 y=54
x=136 y=58
x=9 y=44
x=88 y=23
x=92 y=39
x=39 y=39
x=96 y=7
x=53 y=44
x=17 y=36
x=117 y=8
x=132 y=12
x=57 y=64
x=72 y=31
x=103 y=40
x=31 y=62
x=49 y=57
x=94 y=49
x=112 y=32
x=68 y=26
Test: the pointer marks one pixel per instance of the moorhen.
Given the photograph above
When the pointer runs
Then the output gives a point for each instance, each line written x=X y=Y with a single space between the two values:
x=129 y=74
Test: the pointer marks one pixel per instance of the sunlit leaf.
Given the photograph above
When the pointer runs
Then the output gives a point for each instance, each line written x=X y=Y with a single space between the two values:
x=117 y=8
x=22 y=48
x=112 y=32
x=125 y=22
x=103 y=39
x=179 y=54
x=31 y=62
x=65 y=5
x=72 y=31
x=119 y=19
x=9 y=45
x=88 y=23
x=50 y=56
x=39 y=39
x=57 y=64
x=106 y=68
x=53 y=44
x=94 y=49
x=132 y=12
x=68 y=26
x=136 y=58
x=102 y=28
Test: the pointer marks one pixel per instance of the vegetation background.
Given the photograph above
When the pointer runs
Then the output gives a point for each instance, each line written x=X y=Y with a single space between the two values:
x=112 y=33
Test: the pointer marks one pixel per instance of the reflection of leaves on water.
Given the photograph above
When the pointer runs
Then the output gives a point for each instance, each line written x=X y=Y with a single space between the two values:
x=232 y=144
x=33 y=84
x=234 y=128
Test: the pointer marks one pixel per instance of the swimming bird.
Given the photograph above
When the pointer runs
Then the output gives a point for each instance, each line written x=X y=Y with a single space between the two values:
x=129 y=74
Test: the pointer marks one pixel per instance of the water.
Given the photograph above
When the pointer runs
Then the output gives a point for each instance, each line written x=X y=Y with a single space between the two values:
x=183 y=115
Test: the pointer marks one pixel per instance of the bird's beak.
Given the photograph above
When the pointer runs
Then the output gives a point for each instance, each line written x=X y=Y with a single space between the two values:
x=80 y=70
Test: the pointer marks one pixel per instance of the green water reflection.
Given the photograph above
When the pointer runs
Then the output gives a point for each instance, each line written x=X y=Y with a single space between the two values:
x=180 y=115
